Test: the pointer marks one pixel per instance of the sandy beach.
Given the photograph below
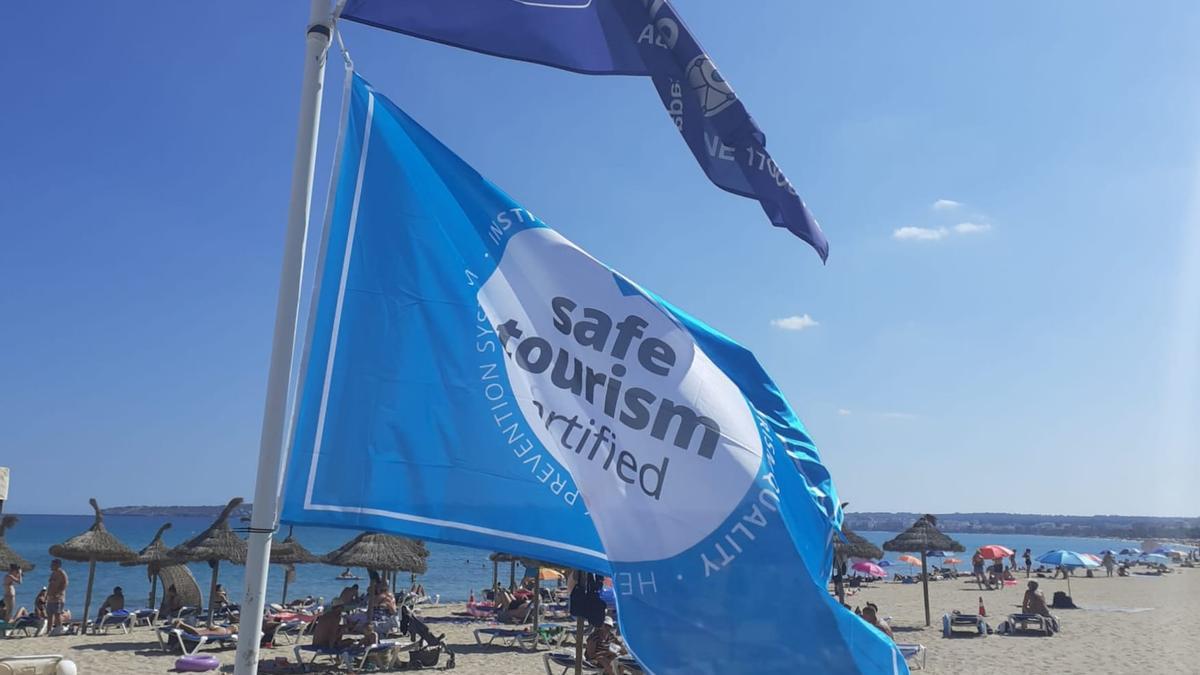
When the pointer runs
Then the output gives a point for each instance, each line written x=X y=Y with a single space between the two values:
x=1124 y=624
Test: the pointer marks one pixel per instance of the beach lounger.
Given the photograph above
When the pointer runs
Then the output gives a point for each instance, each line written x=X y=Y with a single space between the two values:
x=1029 y=624
x=356 y=656
x=190 y=643
x=121 y=618
x=145 y=617
x=913 y=653
x=29 y=625
x=972 y=623
x=293 y=630
x=508 y=637
x=564 y=663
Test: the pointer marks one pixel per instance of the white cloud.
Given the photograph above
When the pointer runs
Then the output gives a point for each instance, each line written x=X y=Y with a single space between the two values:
x=971 y=228
x=945 y=205
x=843 y=412
x=920 y=233
x=795 y=322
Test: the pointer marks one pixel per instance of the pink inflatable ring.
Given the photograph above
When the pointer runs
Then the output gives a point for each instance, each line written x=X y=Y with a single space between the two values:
x=197 y=663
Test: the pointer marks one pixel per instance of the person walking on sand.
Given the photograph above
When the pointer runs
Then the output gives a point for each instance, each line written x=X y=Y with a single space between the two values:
x=56 y=596
x=977 y=569
x=1012 y=560
x=10 y=591
x=1028 y=562
x=1109 y=562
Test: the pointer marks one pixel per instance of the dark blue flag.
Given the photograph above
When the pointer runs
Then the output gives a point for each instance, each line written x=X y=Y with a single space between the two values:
x=619 y=37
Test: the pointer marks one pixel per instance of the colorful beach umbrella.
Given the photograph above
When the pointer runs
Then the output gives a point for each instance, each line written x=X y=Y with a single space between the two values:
x=1131 y=551
x=869 y=568
x=952 y=561
x=995 y=552
x=1069 y=559
x=1154 y=558
x=886 y=563
x=915 y=562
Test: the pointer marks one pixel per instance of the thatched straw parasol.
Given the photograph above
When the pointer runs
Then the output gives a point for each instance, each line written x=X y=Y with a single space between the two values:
x=213 y=545
x=923 y=536
x=380 y=553
x=7 y=555
x=187 y=591
x=288 y=553
x=153 y=556
x=93 y=546
x=855 y=546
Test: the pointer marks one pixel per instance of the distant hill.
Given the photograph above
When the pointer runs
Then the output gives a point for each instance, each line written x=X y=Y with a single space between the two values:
x=177 y=511
x=1120 y=527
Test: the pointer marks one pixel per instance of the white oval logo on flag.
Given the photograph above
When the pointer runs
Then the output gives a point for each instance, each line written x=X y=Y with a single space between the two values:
x=659 y=440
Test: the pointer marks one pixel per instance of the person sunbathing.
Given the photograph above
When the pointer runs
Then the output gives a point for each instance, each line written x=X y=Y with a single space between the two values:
x=214 y=631
x=112 y=603
x=328 y=630
x=603 y=647
x=385 y=601
x=512 y=609
x=171 y=603
x=39 y=604
x=1034 y=602
x=348 y=596
x=870 y=614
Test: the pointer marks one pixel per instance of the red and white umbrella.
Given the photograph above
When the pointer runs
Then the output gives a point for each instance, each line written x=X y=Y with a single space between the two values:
x=995 y=552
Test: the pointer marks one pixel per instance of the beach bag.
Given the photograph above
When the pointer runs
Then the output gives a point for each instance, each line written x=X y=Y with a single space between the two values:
x=424 y=658
x=585 y=599
x=1062 y=601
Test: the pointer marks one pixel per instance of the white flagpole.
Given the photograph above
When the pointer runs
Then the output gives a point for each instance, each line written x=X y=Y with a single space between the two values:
x=266 y=489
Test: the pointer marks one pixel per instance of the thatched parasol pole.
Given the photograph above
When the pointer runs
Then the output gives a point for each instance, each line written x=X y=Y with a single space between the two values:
x=212 y=588
x=152 y=572
x=87 y=602
x=925 y=586
x=287 y=570
x=512 y=576
x=495 y=574
x=537 y=604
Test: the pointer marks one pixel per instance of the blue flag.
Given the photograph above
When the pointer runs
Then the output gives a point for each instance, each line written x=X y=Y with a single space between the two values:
x=473 y=377
x=621 y=37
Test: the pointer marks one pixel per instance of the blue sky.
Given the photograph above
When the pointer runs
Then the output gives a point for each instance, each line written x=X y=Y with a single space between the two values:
x=1008 y=320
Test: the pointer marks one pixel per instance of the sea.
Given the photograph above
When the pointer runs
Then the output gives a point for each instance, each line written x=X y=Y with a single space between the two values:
x=454 y=571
